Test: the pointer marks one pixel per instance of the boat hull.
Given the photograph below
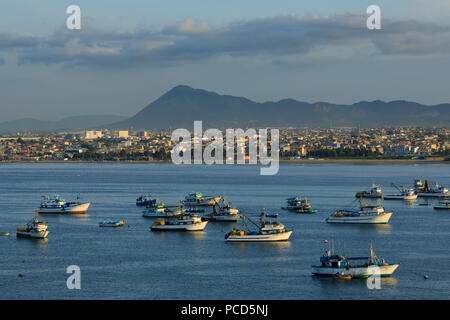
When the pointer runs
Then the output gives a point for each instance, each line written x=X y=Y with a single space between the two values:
x=227 y=218
x=376 y=219
x=361 y=272
x=432 y=194
x=180 y=227
x=400 y=197
x=438 y=207
x=370 y=196
x=76 y=209
x=35 y=235
x=282 y=236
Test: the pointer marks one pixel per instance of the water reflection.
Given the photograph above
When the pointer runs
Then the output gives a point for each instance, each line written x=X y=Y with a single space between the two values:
x=378 y=228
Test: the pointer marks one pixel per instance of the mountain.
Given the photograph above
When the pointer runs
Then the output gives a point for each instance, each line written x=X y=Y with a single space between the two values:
x=179 y=107
x=69 y=123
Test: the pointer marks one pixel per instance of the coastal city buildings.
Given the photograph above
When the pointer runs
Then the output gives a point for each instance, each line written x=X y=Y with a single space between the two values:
x=295 y=143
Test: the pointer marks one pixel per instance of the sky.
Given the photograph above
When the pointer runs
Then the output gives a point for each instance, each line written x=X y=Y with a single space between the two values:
x=128 y=53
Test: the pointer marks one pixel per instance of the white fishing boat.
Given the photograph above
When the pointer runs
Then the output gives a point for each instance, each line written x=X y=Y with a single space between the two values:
x=430 y=189
x=224 y=211
x=344 y=267
x=268 y=231
x=183 y=222
x=404 y=194
x=194 y=199
x=374 y=192
x=369 y=214
x=34 y=228
x=57 y=205
x=112 y=224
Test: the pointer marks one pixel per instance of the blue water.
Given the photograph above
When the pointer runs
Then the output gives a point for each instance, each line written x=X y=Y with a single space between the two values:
x=135 y=263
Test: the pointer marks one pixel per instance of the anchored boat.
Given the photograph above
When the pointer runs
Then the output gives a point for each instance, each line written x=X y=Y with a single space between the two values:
x=113 y=224
x=57 y=205
x=145 y=200
x=443 y=204
x=34 y=229
x=374 y=192
x=297 y=204
x=157 y=211
x=197 y=199
x=267 y=231
x=225 y=212
x=344 y=267
x=366 y=214
x=404 y=194
x=183 y=222
x=430 y=189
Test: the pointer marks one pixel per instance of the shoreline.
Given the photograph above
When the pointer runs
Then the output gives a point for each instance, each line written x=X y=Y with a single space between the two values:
x=299 y=161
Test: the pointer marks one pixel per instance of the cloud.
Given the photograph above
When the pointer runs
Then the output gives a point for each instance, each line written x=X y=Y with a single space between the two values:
x=190 y=26
x=273 y=38
x=14 y=41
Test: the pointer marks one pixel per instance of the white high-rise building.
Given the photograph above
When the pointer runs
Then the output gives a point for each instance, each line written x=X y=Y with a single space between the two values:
x=93 y=134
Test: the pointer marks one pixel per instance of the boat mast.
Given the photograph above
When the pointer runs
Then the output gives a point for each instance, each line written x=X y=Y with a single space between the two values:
x=371 y=252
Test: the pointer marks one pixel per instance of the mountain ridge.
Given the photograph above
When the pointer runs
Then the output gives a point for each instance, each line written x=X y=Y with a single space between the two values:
x=181 y=105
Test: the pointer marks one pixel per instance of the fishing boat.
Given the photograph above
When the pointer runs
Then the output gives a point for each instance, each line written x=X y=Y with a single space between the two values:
x=443 y=204
x=267 y=231
x=344 y=267
x=34 y=229
x=159 y=210
x=374 y=192
x=57 y=205
x=183 y=222
x=404 y=194
x=194 y=199
x=145 y=201
x=297 y=204
x=223 y=211
x=430 y=189
x=113 y=224
x=370 y=214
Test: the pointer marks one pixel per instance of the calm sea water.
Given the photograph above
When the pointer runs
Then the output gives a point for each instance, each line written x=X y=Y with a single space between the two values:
x=135 y=263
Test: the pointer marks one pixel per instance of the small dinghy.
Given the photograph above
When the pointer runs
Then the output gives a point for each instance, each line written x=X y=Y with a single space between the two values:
x=120 y=223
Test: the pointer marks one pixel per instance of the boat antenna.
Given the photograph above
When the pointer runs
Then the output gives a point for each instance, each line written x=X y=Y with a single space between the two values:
x=371 y=252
